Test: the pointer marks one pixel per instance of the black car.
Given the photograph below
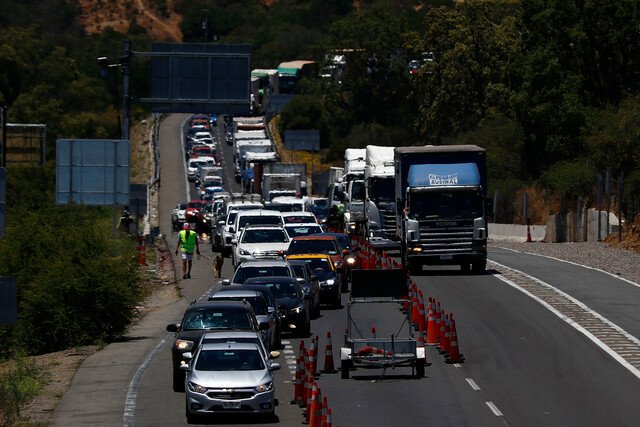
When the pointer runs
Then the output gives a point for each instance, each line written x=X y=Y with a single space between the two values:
x=295 y=310
x=204 y=316
x=271 y=302
x=311 y=287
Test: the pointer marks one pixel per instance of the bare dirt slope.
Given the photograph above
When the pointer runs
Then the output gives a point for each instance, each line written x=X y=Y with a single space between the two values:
x=97 y=15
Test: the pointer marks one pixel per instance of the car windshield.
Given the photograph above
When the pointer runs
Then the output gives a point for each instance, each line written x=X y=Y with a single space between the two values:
x=257 y=302
x=322 y=263
x=313 y=247
x=275 y=235
x=302 y=230
x=344 y=241
x=283 y=207
x=246 y=272
x=208 y=318
x=297 y=219
x=357 y=191
x=229 y=360
x=245 y=220
x=282 y=289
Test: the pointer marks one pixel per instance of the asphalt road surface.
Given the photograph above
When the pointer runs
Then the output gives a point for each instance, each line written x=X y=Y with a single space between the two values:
x=527 y=362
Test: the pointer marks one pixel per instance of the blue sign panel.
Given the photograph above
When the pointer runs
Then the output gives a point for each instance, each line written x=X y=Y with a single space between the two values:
x=92 y=172
x=306 y=140
x=200 y=78
x=444 y=175
x=8 y=301
x=277 y=103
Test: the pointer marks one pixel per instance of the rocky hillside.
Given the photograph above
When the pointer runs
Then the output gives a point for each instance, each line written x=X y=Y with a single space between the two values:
x=157 y=17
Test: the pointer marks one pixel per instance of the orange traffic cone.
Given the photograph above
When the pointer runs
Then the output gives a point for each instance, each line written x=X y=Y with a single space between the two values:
x=316 y=354
x=310 y=401
x=142 y=259
x=432 y=332
x=441 y=330
x=323 y=412
x=446 y=344
x=328 y=356
x=312 y=358
x=298 y=384
x=415 y=311
x=454 y=353
x=328 y=422
x=421 y=317
x=314 y=419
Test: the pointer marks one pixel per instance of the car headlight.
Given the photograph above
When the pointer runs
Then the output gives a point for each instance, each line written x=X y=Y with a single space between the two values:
x=184 y=345
x=338 y=264
x=351 y=260
x=265 y=387
x=197 y=388
x=298 y=309
x=328 y=282
x=243 y=252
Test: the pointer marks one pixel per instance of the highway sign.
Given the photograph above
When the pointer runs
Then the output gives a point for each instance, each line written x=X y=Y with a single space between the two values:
x=92 y=172
x=306 y=140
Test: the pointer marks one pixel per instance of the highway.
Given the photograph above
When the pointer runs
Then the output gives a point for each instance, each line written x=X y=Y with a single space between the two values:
x=525 y=365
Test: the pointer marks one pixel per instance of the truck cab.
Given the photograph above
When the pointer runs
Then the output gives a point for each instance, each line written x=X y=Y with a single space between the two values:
x=441 y=202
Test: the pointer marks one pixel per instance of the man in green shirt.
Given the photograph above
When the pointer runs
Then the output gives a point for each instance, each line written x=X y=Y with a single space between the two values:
x=187 y=242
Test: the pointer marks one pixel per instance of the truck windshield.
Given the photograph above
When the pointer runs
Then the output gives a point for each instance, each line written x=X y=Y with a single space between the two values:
x=432 y=205
x=383 y=190
x=357 y=191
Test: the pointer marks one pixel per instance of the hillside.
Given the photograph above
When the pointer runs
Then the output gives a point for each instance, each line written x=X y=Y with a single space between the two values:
x=97 y=15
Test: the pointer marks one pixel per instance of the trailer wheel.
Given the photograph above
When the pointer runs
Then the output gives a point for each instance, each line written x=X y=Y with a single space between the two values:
x=419 y=368
x=344 y=369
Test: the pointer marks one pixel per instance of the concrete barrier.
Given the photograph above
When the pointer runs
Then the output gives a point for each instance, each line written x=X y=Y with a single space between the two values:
x=516 y=232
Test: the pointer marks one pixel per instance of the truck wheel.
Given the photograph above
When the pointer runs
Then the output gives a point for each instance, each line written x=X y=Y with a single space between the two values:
x=419 y=368
x=344 y=369
x=479 y=267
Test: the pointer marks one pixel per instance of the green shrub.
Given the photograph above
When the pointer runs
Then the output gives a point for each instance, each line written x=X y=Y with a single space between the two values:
x=570 y=179
x=17 y=386
x=76 y=284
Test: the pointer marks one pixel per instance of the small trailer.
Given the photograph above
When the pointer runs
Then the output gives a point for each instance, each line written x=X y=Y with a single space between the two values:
x=399 y=349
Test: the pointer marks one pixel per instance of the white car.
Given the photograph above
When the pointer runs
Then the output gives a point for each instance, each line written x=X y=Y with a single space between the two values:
x=299 y=217
x=304 y=229
x=227 y=230
x=195 y=163
x=261 y=242
x=178 y=216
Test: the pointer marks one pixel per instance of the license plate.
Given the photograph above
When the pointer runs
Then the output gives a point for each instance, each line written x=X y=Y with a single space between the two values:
x=231 y=405
x=444 y=257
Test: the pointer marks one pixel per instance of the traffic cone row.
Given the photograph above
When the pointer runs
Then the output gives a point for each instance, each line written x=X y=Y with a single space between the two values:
x=434 y=327
x=370 y=258
x=307 y=393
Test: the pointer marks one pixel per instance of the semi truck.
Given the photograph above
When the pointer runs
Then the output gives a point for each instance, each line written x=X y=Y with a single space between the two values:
x=379 y=207
x=290 y=73
x=354 y=190
x=442 y=206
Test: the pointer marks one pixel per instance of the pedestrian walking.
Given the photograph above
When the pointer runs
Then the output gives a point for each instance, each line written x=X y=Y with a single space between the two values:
x=187 y=242
x=217 y=265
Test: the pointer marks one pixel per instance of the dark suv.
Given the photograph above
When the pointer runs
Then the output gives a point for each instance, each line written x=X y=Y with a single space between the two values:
x=205 y=316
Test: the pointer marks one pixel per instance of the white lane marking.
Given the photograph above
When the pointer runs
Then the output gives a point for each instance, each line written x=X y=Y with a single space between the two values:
x=635 y=371
x=286 y=342
x=494 y=409
x=637 y=285
x=134 y=385
x=288 y=350
x=457 y=365
x=473 y=384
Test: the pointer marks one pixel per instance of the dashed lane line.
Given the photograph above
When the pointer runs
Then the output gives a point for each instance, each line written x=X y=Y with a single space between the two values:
x=494 y=409
x=615 y=341
x=473 y=384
